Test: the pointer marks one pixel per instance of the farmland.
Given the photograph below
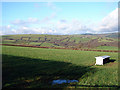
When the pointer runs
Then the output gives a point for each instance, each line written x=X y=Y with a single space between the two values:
x=27 y=67
x=60 y=45
x=66 y=57
x=65 y=41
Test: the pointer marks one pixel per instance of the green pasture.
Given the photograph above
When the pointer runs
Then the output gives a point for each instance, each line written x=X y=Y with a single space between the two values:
x=33 y=39
x=8 y=41
x=65 y=40
x=27 y=67
x=47 y=44
x=82 y=39
x=106 y=39
x=107 y=48
x=34 y=43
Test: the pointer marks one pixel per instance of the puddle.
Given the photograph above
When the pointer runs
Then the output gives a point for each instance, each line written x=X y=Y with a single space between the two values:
x=61 y=81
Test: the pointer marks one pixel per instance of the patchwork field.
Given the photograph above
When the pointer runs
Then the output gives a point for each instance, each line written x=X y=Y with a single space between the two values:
x=27 y=67
x=91 y=41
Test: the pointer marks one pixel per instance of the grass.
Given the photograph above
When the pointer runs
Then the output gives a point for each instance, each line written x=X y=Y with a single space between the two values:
x=26 y=67
x=65 y=40
x=34 y=43
x=107 y=48
x=106 y=39
x=8 y=41
x=34 y=38
x=62 y=40
x=47 y=44
x=78 y=38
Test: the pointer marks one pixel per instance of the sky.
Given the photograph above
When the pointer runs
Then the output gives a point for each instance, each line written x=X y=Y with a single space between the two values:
x=59 y=18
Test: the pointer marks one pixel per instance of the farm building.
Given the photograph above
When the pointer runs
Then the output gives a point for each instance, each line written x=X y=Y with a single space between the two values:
x=100 y=60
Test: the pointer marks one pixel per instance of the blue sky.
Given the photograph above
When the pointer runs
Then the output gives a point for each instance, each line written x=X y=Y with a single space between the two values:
x=56 y=17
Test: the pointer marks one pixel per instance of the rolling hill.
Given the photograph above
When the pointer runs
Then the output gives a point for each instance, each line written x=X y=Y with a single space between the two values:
x=92 y=41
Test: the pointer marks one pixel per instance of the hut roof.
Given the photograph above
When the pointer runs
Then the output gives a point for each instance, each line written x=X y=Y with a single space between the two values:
x=103 y=56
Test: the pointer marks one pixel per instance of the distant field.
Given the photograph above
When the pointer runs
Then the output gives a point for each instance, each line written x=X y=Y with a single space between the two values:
x=66 y=41
x=27 y=67
x=107 y=48
x=35 y=43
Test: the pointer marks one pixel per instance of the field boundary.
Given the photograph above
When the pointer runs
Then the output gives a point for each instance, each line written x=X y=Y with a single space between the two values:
x=60 y=48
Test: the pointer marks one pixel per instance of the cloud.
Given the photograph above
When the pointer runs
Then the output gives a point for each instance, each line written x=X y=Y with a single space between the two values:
x=48 y=18
x=25 y=30
x=6 y=30
x=25 y=22
x=1 y=33
x=70 y=27
x=63 y=20
x=51 y=5
x=30 y=21
x=108 y=24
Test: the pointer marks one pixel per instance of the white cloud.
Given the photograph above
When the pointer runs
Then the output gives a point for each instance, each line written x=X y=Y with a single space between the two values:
x=30 y=21
x=51 y=5
x=8 y=26
x=70 y=27
x=48 y=18
x=107 y=24
x=1 y=33
x=25 y=22
x=6 y=30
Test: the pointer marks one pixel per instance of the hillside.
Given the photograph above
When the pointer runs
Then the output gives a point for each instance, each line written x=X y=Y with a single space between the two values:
x=25 y=67
x=94 y=41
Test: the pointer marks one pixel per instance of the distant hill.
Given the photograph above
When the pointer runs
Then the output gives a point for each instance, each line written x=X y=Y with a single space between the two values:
x=86 y=40
x=113 y=35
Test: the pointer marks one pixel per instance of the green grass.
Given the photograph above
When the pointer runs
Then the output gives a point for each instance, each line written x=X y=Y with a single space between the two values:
x=8 y=41
x=64 y=40
x=34 y=43
x=107 y=48
x=77 y=39
x=106 y=39
x=26 y=67
x=71 y=41
x=47 y=44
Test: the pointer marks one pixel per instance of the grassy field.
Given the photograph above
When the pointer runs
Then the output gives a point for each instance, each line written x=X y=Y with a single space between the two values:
x=73 y=41
x=107 y=48
x=26 y=67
